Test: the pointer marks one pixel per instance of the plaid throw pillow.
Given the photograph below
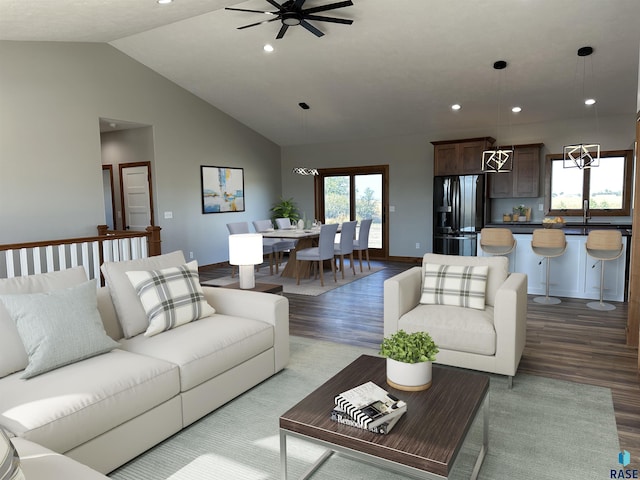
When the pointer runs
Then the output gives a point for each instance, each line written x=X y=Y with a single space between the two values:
x=457 y=285
x=170 y=297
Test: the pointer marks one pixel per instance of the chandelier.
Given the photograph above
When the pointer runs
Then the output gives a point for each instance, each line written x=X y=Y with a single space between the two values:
x=498 y=159
x=586 y=154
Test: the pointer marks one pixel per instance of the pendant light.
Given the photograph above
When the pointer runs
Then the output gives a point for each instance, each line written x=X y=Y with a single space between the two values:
x=585 y=154
x=304 y=170
x=498 y=160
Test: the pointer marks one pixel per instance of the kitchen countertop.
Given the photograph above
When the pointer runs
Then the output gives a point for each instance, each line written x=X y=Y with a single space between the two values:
x=570 y=228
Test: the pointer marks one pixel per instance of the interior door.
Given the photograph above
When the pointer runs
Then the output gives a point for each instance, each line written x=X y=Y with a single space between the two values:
x=135 y=187
x=356 y=193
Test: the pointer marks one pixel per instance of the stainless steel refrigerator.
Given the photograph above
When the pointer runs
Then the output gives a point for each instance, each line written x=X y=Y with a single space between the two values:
x=458 y=213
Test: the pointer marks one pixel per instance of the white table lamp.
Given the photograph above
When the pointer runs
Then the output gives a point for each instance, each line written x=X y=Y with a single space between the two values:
x=245 y=250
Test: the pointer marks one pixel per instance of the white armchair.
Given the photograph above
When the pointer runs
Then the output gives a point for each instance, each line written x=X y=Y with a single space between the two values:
x=489 y=340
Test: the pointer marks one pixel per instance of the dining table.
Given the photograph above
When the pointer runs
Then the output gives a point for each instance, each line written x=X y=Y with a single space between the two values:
x=306 y=238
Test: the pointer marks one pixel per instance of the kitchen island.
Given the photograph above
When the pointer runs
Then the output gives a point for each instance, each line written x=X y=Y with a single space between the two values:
x=574 y=274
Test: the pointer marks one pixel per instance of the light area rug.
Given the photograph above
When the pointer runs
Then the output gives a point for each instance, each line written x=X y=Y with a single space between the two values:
x=543 y=428
x=308 y=286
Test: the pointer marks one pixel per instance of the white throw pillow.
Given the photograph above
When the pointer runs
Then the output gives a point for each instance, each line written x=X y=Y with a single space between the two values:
x=131 y=315
x=9 y=459
x=170 y=297
x=13 y=356
x=457 y=285
x=59 y=327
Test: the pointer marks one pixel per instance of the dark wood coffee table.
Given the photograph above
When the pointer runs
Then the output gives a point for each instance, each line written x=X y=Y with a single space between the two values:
x=260 y=287
x=426 y=441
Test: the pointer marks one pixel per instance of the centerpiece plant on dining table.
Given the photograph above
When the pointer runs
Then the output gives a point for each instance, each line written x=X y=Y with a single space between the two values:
x=285 y=208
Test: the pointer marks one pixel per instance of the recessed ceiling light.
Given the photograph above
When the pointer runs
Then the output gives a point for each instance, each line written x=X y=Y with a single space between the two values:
x=268 y=47
x=455 y=106
x=590 y=101
x=164 y=2
x=516 y=109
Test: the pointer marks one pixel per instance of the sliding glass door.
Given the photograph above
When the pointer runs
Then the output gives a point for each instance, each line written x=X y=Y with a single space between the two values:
x=357 y=193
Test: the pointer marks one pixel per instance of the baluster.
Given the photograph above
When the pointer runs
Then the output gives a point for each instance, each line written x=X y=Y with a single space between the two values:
x=106 y=251
x=96 y=262
x=49 y=254
x=24 y=262
x=37 y=266
x=9 y=258
x=62 y=257
x=84 y=247
x=73 y=251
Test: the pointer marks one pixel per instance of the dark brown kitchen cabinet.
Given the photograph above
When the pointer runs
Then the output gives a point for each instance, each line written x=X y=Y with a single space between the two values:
x=459 y=157
x=523 y=181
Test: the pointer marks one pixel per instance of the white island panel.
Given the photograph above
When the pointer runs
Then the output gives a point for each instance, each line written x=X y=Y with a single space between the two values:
x=574 y=274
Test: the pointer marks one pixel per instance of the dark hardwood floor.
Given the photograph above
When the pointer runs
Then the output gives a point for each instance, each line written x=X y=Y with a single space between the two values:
x=567 y=341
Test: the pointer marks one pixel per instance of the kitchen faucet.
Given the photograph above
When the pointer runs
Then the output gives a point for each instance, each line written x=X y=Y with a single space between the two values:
x=585 y=212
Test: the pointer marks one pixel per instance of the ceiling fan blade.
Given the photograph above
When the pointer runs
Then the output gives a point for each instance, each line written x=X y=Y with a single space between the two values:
x=258 y=23
x=252 y=11
x=275 y=4
x=329 y=19
x=298 y=4
x=324 y=8
x=311 y=28
x=282 y=31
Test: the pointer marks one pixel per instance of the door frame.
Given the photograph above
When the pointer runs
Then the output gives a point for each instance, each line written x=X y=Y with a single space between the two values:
x=318 y=194
x=121 y=166
x=109 y=168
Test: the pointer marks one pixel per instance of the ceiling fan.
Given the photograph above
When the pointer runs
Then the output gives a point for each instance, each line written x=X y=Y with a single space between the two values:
x=291 y=13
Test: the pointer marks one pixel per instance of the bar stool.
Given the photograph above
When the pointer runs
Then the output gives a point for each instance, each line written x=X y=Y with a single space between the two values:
x=603 y=245
x=497 y=241
x=548 y=243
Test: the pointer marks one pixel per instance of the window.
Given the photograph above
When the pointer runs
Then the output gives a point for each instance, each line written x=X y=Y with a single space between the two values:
x=606 y=187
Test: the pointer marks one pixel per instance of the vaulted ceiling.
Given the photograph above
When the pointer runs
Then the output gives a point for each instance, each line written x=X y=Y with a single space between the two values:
x=396 y=70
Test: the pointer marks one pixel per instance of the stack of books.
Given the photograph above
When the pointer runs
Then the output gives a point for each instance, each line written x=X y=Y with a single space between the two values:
x=369 y=407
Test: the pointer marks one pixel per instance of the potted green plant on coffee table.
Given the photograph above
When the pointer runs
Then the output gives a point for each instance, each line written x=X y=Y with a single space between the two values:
x=409 y=359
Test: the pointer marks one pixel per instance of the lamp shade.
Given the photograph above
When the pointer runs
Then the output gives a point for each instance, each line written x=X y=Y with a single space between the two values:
x=245 y=249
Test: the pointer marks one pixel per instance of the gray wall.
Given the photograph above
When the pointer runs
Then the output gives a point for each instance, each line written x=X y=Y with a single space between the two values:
x=52 y=94
x=410 y=160
x=51 y=97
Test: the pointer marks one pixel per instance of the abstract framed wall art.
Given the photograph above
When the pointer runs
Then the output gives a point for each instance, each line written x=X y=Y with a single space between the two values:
x=222 y=189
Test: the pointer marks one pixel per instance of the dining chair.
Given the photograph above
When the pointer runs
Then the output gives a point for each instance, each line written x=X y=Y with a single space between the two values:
x=283 y=223
x=345 y=247
x=362 y=243
x=324 y=251
x=278 y=245
x=243 y=227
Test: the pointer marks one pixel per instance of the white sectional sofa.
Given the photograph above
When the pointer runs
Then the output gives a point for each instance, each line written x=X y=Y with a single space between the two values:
x=104 y=410
x=490 y=338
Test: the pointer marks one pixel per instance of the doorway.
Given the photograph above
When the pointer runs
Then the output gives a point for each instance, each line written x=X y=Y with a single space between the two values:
x=356 y=193
x=136 y=195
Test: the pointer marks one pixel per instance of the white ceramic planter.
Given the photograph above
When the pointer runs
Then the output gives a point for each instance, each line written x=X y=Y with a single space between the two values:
x=411 y=377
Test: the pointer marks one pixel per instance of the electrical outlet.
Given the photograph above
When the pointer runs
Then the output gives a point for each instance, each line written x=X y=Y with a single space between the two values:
x=540 y=207
x=168 y=214
x=417 y=245
x=191 y=255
